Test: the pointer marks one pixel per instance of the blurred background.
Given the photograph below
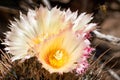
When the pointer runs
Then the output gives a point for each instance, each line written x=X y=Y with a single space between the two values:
x=106 y=14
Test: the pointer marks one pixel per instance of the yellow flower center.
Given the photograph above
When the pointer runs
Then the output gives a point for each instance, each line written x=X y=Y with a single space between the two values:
x=57 y=58
x=58 y=55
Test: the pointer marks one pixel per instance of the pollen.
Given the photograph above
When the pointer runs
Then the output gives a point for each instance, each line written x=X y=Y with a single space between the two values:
x=58 y=55
x=57 y=58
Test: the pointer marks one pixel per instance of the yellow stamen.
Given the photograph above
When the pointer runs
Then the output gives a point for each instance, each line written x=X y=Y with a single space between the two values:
x=57 y=58
x=58 y=55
